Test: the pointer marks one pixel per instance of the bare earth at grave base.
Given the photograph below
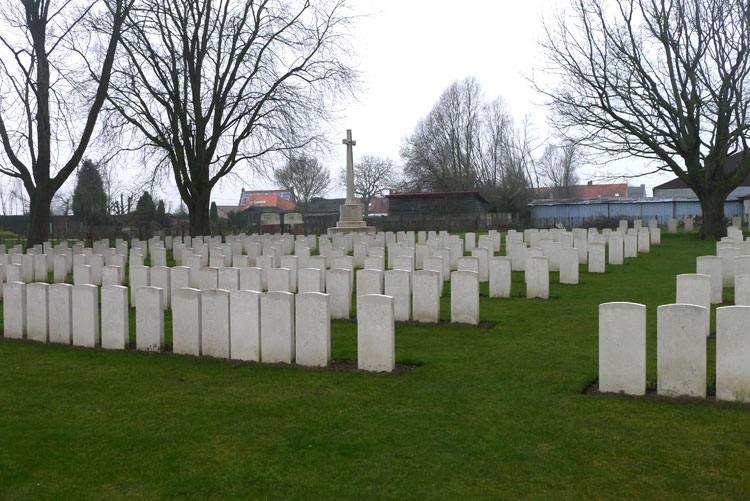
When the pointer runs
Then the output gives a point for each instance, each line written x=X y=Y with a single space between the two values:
x=488 y=413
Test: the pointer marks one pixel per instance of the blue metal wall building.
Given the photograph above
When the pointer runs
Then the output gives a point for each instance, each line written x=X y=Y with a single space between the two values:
x=547 y=213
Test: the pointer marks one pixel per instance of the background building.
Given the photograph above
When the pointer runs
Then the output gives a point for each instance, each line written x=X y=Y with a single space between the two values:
x=677 y=187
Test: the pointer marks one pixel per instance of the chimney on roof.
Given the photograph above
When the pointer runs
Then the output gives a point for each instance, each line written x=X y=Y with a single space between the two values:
x=591 y=183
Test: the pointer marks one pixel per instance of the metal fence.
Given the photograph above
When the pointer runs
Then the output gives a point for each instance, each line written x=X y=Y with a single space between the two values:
x=586 y=214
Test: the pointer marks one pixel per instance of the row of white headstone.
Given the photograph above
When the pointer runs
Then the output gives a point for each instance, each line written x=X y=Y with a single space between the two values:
x=272 y=327
x=681 y=350
x=416 y=294
x=561 y=251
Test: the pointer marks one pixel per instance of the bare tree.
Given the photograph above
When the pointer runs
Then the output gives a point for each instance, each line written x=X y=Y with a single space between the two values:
x=466 y=143
x=373 y=177
x=12 y=199
x=304 y=177
x=558 y=165
x=51 y=91
x=62 y=203
x=214 y=83
x=660 y=79
x=439 y=154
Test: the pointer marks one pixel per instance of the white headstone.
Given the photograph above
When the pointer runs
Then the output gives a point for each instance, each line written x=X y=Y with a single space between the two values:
x=727 y=255
x=208 y=278
x=369 y=282
x=681 y=350
x=500 y=276
x=292 y=264
x=27 y=268
x=467 y=263
x=86 y=315
x=115 y=319
x=338 y=286
x=215 y=323
x=403 y=263
x=251 y=279
x=277 y=327
x=435 y=263
x=630 y=245
x=374 y=263
x=159 y=276
x=694 y=288
x=149 y=319
x=14 y=309
x=279 y=280
x=376 y=347
x=186 y=321
x=398 y=286
x=733 y=353
x=139 y=276
x=313 y=329
x=537 y=277
x=60 y=268
x=37 y=313
x=179 y=278
x=742 y=290
x=244 y=325
x=581 y=243
x=111 y=275
x=712 y=266
x=597 y=262
x=40 y=268
x=309 y=280
x=568 y=266
x=655 y=235
x=426 y=285
x=60 y=313
x=229 y=279
x=616 y=249
x=96 y=261
x=622 y=348
x=82 y=274
x=484 y=258
x=465 y=297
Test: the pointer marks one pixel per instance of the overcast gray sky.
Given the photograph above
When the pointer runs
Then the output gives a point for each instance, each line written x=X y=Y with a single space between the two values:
x=409 y=51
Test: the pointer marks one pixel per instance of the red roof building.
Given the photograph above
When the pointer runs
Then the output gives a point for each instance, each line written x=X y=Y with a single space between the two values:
x=285 y=194
x=270 y=201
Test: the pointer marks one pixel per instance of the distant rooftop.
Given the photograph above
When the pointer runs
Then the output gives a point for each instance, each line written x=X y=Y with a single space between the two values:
x=285 y=194
x=592 y=191
x=269 y=201
x=436 y=194
x=732 y=163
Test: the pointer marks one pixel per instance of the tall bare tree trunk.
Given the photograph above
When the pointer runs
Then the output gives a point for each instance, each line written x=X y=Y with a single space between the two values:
x=198 y=209
x=40 y=201
x=712 y=205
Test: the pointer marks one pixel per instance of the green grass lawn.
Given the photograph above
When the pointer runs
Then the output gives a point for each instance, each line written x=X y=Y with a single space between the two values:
x=486 y=413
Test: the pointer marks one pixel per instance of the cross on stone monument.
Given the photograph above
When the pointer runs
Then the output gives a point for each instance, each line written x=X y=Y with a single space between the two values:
x=350 y=213
x=349 y=142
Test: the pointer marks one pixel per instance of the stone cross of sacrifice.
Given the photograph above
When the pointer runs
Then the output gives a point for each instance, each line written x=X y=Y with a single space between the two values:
x=349 y=142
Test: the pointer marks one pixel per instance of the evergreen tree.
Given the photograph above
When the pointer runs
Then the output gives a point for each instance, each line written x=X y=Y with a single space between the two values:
x=145 y=210
x=214 y=212
x=161 y=213
x=89 y=198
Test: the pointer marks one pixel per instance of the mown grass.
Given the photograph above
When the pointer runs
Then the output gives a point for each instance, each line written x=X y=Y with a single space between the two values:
x=487 y=413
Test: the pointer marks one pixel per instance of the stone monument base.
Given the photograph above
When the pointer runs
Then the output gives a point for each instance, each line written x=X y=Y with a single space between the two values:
x=350 y=220
x=343 y=230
